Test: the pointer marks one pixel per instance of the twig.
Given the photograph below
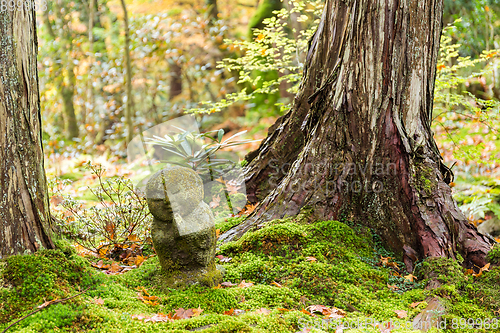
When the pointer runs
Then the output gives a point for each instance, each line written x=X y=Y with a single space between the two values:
x=43 y=306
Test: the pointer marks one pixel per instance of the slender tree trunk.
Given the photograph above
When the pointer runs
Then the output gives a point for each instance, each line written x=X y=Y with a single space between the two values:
x=89 y=108
x=24 y=207
x=129 y=111
x=212 y=9
x=67 y=94
x=358 y=138
x=175 y=81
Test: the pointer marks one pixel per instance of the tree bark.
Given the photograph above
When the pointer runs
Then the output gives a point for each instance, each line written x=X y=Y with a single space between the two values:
x=175 y=80
x=358 y=141
x=128 y=111
x=24 y=208
x=212 y=9
x=67 y=94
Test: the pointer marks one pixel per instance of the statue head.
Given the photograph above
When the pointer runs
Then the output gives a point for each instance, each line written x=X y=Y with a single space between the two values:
x=183 y=187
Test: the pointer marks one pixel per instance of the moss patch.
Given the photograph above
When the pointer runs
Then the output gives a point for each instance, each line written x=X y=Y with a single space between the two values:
x=293 y=263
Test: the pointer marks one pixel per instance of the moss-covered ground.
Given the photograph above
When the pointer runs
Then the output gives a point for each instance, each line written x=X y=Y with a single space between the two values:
x=292 y=264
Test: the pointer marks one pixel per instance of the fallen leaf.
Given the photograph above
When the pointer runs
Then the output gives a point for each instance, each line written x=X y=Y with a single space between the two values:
x=311 y=259
x=98 y=301
x=307 y=312
x=228 y=284
x=263 y=311
x=154 y=319
x=392 y=287
x=197 y=312
x=384 y=260
x=114 y=269
x=410 y=277
x=215 y=202
x=139 y=260
x=244 y=284
x=183 y=314
x=229 y=312
x=274 y=283
x=485 y=268
x=415 y=304
x=332 y=313
x=401 y=313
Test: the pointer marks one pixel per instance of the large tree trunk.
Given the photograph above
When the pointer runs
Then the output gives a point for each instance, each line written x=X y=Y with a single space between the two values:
x=24 y=207
x=358 y=138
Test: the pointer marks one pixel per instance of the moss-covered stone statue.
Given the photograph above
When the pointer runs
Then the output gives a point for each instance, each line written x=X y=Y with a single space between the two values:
x=183 y=230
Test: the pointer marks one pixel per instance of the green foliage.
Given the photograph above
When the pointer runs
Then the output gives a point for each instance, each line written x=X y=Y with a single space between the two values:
x=225 y=224
x=494 y=255
x=190 y=149
x=450 y=68
x=120 y=219
x=273 y=49
x=29 y=280
x=479 y=27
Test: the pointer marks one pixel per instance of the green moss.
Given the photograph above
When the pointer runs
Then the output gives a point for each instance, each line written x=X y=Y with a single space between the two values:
x=312 y=262
x=227 y=223
x=444 y=270
x=494 y=255
x=29 y=280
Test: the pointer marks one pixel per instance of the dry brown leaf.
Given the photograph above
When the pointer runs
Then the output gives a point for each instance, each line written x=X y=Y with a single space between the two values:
x=274 y=283
x=401 y=314
x=183 y=314
x=244 y=284
x=229 y=312
x=215 y=202
x=98 y=301
x=139 y=260
x=311 y=259
x=197 y=312
x=318 y=308
x=114 y=269
x=384 y=260
x=228 y=284
x=56 y=200
x=263 y=311
x=410 y=277
x=307 y=312
x=485 y=268
x=415 y=304
x=154 y=319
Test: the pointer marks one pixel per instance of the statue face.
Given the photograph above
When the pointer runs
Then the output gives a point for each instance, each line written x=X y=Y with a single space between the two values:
x=184 y=189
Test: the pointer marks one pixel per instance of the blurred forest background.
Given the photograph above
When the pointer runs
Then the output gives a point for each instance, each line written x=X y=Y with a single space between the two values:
x=112 y=69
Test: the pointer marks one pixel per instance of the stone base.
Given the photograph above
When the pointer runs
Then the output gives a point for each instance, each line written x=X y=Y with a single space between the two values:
x=181 y=279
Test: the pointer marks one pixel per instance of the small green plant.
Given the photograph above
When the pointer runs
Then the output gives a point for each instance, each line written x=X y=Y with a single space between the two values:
x=279 y=47
x=121 y=217
x=197 y=150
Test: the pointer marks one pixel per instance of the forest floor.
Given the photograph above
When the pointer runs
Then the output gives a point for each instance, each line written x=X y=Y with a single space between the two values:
x=291 y=275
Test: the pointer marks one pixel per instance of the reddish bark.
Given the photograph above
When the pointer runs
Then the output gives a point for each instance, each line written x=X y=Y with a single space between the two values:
x=365 y=149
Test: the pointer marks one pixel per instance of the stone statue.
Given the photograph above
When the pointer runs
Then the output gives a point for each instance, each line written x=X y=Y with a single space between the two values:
x=183 y=230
